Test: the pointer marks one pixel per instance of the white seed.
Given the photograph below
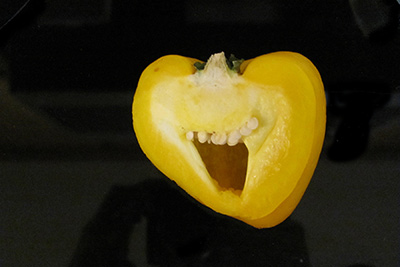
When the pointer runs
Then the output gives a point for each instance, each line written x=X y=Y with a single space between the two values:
x=214 y=139
x=233 y=143
x=218 y=138
x=189 y=136
x=222 y=138
x=252 y=123
x=245 y=131
x=234 y=137
x=203 y=137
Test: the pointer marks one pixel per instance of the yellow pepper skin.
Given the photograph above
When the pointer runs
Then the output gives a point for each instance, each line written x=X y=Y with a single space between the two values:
x=243 y=138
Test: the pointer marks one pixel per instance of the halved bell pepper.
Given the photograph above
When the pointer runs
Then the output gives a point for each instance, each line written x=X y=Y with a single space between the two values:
x=241 y=137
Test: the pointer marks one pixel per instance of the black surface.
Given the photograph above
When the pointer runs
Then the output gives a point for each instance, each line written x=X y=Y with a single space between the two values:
x=110 y=55
x=181 y=232
x=89 y=47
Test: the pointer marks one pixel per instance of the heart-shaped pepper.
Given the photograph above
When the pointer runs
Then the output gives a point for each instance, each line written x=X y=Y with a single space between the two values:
x=243 y=138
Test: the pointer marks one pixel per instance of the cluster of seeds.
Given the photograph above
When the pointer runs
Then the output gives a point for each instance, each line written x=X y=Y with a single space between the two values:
x=217 y=138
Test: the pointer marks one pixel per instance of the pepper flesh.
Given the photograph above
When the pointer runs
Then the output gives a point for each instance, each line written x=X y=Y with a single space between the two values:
x=175 y=103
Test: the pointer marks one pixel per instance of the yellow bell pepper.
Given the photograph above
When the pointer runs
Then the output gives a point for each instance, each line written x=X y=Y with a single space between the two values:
x=243 y=138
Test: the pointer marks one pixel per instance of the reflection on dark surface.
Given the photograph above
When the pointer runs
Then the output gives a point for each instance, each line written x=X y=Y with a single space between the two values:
x=354 y=103
x=181 y=232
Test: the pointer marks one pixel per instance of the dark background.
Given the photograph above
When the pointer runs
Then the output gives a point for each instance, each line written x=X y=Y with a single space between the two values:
x=68 y=154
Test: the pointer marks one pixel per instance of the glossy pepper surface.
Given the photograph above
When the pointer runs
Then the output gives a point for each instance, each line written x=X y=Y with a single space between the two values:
x=241 y=137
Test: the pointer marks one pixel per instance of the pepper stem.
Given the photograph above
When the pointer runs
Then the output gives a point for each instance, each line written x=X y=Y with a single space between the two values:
x=233 y=63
